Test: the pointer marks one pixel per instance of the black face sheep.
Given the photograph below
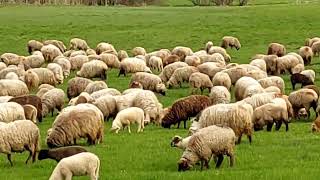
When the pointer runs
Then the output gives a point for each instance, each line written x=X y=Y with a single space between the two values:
x=60 y=153
x=209 y=141
x=32 y=100
x=298 y=78
x=184 y=108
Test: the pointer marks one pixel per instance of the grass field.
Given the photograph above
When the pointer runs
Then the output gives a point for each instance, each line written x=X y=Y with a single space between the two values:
x=275 y=155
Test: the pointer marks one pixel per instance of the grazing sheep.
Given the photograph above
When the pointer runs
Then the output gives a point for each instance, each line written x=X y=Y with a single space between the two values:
x=30 y=112
x=303 y=98
x=316 y=48
x=237 y=116
x=35 y=60
x=208 y=45
x=210 y=141
x=313 y=87
x=33 y=100
x=138 y=51
x=2 y=66
x=210 y=69
x=57 y=71
x=132 y=65
x=257 y=74
x=110 y=60
x=247 y=86
x=181 y=75
x=220 y=94
x=41 y=92
x=200 y=81
x=59 y=153
x=45 y=76
x=169 y=70
x=315 y=126
x=182 y=52
x=272 y=89
x=93 y=69
x=300 y=79
x=95 y=86
x=78 y=44
x=276 y=49
x=59 y=44
x=65 y=65
x=10 y=59
x=106 y=48
x=50 y=52
x=155 y=63
x=122 y=54
x=258 y=100
x=135 y=84
x=215 y=57
x=309 y=42
x=34 y=45
x=149 y=82
x=180 y=142
x=103 y=92
x=129 y=116
x=220 y=50
x=193 y=60
x=53 y=99
x=107 y=105
x=12 y=76
x=19 y=136
x=184 y=108
x=76 y=53
x=298 y=68
x=260 y=63
x=84 y=97
x=310 y=74
x=13 y=88
x=47 y=86
x=297 y=56
x=170 y=59
x=75 y=122
x=229 y=41
x=77 y=61
x=76 y=86
x=31 y=79
x=90 y=52
x=82 y=164
x=273 y=81
x=236 y=73
x=306 y=53
x=11 y=111
x=286 y=63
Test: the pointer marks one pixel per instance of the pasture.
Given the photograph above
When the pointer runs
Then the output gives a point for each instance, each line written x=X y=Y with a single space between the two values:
x=148 y=155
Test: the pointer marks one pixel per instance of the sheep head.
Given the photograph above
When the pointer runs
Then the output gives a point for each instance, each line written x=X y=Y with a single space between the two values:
x=175 y=140
x=183 y=164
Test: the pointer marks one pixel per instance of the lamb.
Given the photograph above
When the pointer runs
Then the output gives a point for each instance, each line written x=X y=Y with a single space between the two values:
x=50 y=52
x=247 y=86
x=181 y=75
x=34 y=45
x=30 y=112
x=182 y=52
x=57 y=71
x=193 y=60
x=110 y=60
x=107 y=105
x=12 y=76
x=310 y=74
x=180 y=142
x=105 y=48
x=10 y=59
x=220 y=50
x=220 y=94
x=52 y=99
x=237 y=116
x=65 y=65
x=129 y=116
x=210 y=141
x=76 y=86
x=95 y=86
x=19 y=136
x=149 y=82
x=306 y=53
x=184 y=108
x=13 y=88
x=132 y=65
x=11 y=111
x=139 y=51
x=229 y=41
x=75 y=122
x=59 y=44
x=170 y=59
x=92 y=69
x=221 y=79
x=78 y=44
x=122 y=54
x=301 y=79
x=200 y=81
x=30 y=100
x=155 y=63
x=58 y=154
x=303 y=98
x=82 y=164
x=316 y=48
x=260 y=63
x=77 y=61
x=168 y=70
x=273 y=81
x=210 y=69
x=45 y=76
x=276 y=49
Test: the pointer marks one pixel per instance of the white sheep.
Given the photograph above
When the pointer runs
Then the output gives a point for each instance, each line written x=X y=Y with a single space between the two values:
x=220 y=94
x=34 y=45
x=50 y=52
x=247 y=86
x=65 y=65
x=95 y=86
x=193 y=60
x=181 y=75
x=169 y=69
x=182 y=52
x=77 y=61
x=92 y=69
x=77 y=43
x=12 y=76
x=210 y=68
x=222 y=51
x=260 y=63
x=11 y=111
x=103 y=92
x=46 y=76
x=10 y=59
x=139 y=51
x=155 y=63
x=200 y=81
x=230 y=41
x=132 y=65
x=107 y=105
x=128 y=116
x=273 y=81
x=106 y=48
x=13 y=88
x=316 y=48
x=149 y=82
x=57 y=71
x=180 y=142
x=222 y=79
x=110 y=60
x=52 y=99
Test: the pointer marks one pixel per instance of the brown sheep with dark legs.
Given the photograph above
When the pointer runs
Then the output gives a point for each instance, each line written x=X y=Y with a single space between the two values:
x=32 y=100
x=184 y=108
x=298 y=78
x=60 y=153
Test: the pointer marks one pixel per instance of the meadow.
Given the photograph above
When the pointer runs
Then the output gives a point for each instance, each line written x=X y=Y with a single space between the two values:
x=148 y=155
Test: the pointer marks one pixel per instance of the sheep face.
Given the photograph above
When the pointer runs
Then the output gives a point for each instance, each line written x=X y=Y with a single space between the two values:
x=183 y=165
x=302 y=113
x=175 y=140
x=258 y=125
x=161 y=88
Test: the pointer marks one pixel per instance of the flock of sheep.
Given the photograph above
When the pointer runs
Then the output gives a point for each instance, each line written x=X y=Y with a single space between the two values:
x=218 y=124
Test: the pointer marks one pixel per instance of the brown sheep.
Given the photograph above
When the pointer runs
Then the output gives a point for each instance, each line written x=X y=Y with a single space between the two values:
x=170 y=59
x=277 y=49
x=32 y=100
x=60 y=153
x=76 y=86
x=301 y=79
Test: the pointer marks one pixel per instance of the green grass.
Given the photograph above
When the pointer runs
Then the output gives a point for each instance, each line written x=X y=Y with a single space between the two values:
x=274 y=155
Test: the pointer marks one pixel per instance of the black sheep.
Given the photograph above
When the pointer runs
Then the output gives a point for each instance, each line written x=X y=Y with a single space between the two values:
x=60 y=153
x=298 y=78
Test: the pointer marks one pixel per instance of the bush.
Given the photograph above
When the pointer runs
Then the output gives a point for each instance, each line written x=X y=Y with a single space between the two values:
x=217 y=2
x=138 y=2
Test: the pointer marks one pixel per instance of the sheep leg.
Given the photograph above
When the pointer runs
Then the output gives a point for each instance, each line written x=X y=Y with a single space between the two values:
x=293 y=86
x=206 y=164
x=238 y=142
x=220 y=159
x=231 y=156
x=250 y=138
x=93 y=176
x=9 y=158
x=287 y=126
x=201 y=164
x=278 y=125
x=201 y=89
x=178 y=125
x=30 y=154
x=185 y=124
x=269 y=126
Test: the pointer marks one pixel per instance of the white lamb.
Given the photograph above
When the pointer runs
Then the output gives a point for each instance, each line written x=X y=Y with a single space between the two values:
x=128 y=116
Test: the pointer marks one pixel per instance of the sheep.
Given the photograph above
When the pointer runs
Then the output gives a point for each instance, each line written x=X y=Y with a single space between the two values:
x=209 y=68
x=155 y=63
x=75 y=122
x=181 y=75
x=57 y=71
x=200 y=81
x=260 y=63
x=315 y=126
x=30 y=100
x=10 y=59
x=169 y=70
x=247 y=86
x=19 y=136
x=65 y=65
x=132 y=65
x=107 y=105
x=271 y=62
x=122 y=54
x=110 y=60
x=272 y=89
x=92 y=69
x=313 y=87
x=12 y=76
x=162 y=53
x=11 y=111
x=47 y=86
x=180 y=142
x=31 y=79
x=135 y=84
x=59 y=44
x=78 y=44
x=215 y=57
x=235 y=73
x=30 y=112
x=237 y=116
x=95 y=86
x=13 y=88
x=310 y=74
x=220 y=50
x=58 y=154
x=257 y=74
x=276 y=49
x=50 y=52
x=193 y=60
x=103 y=92
x=306 y=53
x=309 y=42
x=35 y=60
x=149 y=82
x=52 y=99
x=34 y=45
x=184 y=108
x=258 y=100
x=45 y=76
x=4 y=99
x=229 y=41
x=301 y=79
x=84 y=97
x=220 y=94
x=303 y=98
x=170 y=59
x=82 y=164
x=129 y=116
x=41 y=92
x=273 y=81
x=298 y=68
x=106 y=48
x=76 y=86
x=208 y=45
x=182 y=52
x=210 y=141
x=287 y=62
x=316 y=48
x=2 y=66
x=77 y=61
x=76 y=53
x=138 y=51
x=90 y=52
